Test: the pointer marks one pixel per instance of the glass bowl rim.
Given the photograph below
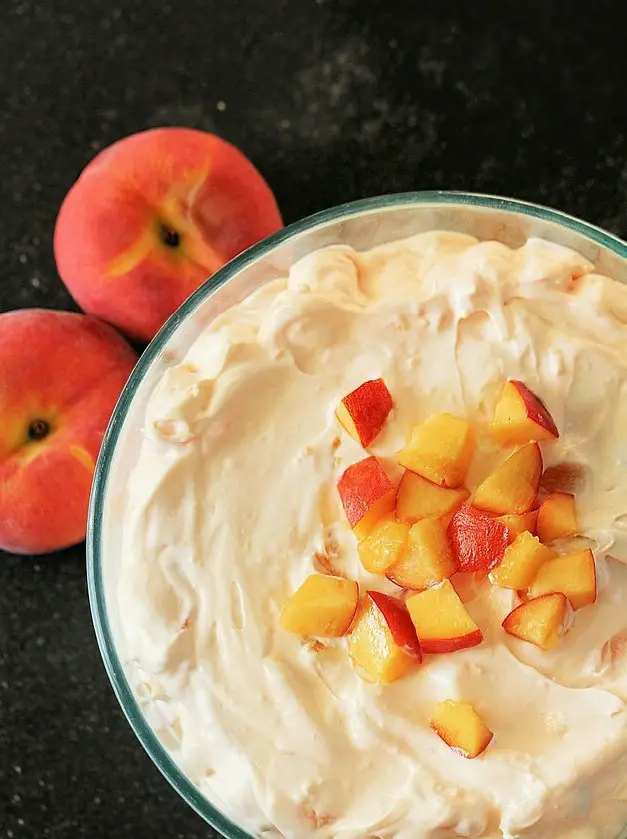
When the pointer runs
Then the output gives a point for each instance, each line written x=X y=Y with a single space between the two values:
x=95 y=582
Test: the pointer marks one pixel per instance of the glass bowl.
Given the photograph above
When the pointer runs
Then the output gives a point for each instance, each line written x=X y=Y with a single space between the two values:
x=361 y=224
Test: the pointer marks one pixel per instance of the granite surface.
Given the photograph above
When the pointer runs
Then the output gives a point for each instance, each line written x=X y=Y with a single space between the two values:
x=333 y=100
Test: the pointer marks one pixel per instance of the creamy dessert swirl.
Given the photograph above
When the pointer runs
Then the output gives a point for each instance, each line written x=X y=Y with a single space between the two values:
x=233 y=496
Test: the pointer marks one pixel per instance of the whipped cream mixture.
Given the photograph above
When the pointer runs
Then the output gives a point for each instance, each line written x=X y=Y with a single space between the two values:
x=234 y=494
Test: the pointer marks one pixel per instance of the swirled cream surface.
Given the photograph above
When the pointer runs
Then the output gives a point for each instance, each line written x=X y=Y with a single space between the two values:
x=233 y=495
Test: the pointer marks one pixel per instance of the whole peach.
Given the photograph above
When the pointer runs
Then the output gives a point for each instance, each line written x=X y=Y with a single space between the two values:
x=60 y=377
x=151 y=218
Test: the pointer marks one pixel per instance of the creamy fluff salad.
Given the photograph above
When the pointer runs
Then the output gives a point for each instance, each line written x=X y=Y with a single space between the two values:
x=233 y=503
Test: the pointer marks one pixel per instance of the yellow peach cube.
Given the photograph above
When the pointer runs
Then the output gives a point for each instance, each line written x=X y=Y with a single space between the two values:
x=440 y=449
x=322 y=606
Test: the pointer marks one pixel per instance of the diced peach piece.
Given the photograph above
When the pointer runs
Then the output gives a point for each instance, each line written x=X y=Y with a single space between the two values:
x=419 y=498
x=520 y=522
x=520 y=416
x=542 y=621
x=521 y=562
x=399 y=623
x=573 y=575
x=384 y=545
x=428 y=559
x=363 y=412
x=557 y=517
x=440 y=449
x=383 y=640
x=461 y=728
x=324 y=606
x=367 y=495
x=513 y=487
x=442 y=623
x=478 y=541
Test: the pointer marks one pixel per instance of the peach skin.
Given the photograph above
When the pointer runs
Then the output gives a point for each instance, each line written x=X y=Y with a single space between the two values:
x=60 y=377
x=441 y=621
x=151 y=218
x=383 y=640
x=363 y=412
x=520 y=416
x=367 y=494
x=478 y=541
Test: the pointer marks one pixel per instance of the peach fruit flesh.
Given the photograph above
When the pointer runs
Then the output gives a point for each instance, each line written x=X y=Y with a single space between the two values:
x=441 y=621
x=367 y=494
x=384 y=545
x=383 y=640
x=513 y=486
x=520 y=522
x=419 y=498
x=151 y=218
x=428 y=558
x=478 y=541
x=520 y=416
x=323 y=606
x=557 y=517
x=573 y=575
x=363 y=412
x=440 y=449
x=60 y=377
x=542 y=621
x=521 y=562
x=461 y=728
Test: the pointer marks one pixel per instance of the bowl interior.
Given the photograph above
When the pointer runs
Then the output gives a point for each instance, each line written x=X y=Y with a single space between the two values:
x=362 y=225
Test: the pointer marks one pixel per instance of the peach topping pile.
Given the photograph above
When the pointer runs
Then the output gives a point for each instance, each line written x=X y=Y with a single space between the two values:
x=427 y=530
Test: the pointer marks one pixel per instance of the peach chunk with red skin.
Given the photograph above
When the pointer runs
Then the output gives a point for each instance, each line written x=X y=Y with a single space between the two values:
x=478 y=541
x=60 y=376
x=428 y=558
x=440 y=449
x=520 y=416
x=323 y=605
x=151 y=217
x=513 y=486
x=418 y=498
x=363 y=411
x=461 y=728
x=367 y=494
x=384 y=545
x=572 y=574
x=441 y=620
x=521 y=562
x=542 y=621
x=557 y=517
x=383 y=641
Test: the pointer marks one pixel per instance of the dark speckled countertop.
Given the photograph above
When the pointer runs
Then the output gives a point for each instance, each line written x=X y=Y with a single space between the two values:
x=333 y=100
